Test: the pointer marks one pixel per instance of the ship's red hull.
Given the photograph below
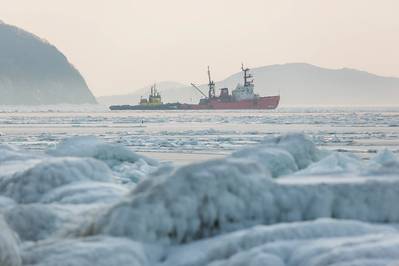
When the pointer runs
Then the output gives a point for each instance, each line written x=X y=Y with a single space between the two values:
x=269 y=102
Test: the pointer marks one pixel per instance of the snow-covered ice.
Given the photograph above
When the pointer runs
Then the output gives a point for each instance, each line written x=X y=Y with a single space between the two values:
x=215 y=197
x=283 y=200
x=125 y=163
x=9 y=246
x=99 y=251
x=33 y=183
x=280 y=242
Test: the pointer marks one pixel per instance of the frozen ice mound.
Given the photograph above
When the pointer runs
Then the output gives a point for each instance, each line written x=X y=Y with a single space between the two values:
x=283 y=202
x=90 y=146
x=215 y=197
x=124 y=162
x=193 y=202
x=369 y=250
x=334 y=164
x=31 y=184
x=281 y=244
x=276 y=161
x=380 y=249
x=99 y=251
x=283 y=155
x=33 y=222
x=133 y=172
x=9 y=246
x=6 y=203
x=86 y=193
x=384 y=163
x=13 y=160
x=11 y=153
x=302 y=149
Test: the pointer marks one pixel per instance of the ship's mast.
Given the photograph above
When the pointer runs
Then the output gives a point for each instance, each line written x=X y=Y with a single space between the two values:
x=211 y=85
x=154 y=91
x=247 y=76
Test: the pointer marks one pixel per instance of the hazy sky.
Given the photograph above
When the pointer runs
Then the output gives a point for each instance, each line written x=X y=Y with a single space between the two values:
x=122 y=45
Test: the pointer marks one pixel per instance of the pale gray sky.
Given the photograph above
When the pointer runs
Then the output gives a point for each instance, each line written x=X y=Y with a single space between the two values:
x=122 y=45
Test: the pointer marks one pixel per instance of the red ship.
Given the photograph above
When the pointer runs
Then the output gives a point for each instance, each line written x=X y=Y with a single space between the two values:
x=242 y=97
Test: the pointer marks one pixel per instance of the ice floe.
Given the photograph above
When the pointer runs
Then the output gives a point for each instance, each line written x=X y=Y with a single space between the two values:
x=283 y=201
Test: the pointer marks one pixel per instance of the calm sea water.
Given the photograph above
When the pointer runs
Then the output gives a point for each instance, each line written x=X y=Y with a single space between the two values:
x=186 y=136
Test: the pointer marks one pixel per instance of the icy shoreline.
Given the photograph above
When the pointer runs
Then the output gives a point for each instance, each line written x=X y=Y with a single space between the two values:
x=281 y=202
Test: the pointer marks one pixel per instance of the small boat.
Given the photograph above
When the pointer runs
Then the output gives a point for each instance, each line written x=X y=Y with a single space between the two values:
x=153 y=102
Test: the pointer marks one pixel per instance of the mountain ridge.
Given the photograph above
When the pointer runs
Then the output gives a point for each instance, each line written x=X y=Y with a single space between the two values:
x=35 y=72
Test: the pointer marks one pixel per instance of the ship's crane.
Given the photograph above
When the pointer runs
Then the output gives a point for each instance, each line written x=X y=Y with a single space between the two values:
x=211 y=86
x=198 y=89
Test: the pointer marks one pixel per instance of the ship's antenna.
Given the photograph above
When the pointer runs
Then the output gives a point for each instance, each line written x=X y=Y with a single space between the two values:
x=209 y=76
x=247 y=76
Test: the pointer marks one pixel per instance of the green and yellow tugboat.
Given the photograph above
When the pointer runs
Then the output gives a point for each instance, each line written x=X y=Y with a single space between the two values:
x=154 y=102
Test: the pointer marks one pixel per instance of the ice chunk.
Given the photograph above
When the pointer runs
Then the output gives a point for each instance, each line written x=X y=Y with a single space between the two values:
x=133 y=172
x=126 y=164
x=31 y=184
x=193 y=202
x=99 y=251
x=86 y=193
x=9 y=246
x=279 y=162
x=10 y=153
x=34 y=222
x=276 y=243
x=299 y=146
x=13 y=160
x=90 y=146
x=283 y=155
x=6 y=203
x=384 y=163
x=380 y=249
x=385 y=157
x=359 y=250
x=334 y=164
